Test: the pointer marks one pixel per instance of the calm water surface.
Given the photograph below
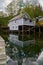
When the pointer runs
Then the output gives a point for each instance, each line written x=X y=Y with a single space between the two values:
x=22 y=47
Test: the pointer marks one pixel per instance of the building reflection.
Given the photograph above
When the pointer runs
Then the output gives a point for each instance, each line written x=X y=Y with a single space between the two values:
x=23 y=46
x=21 y=40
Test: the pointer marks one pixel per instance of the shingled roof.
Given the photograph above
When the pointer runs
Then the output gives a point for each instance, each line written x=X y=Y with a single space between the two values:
x=22 y=15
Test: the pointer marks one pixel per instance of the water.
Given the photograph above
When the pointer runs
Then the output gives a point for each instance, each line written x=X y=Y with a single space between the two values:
x=24 y=48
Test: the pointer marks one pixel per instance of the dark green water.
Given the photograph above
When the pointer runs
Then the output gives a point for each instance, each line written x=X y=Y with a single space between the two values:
x=23 y=46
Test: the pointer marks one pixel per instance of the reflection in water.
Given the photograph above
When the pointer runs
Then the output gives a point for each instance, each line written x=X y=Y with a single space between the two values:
x=14 y=39
x=26 y=61
x=20 y=40
x=23 y=49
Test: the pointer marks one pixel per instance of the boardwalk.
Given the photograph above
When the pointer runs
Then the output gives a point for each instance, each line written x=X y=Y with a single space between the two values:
x=2 y=52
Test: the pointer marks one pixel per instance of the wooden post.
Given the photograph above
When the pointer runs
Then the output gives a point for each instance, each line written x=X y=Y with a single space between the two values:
x=29 y=31
x=2 y=52
x=39 y=31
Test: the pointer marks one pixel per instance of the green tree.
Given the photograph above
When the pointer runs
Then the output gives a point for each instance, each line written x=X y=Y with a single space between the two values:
x=28 y=10
x=9 y=8
x=38 y=11
x=33 y=11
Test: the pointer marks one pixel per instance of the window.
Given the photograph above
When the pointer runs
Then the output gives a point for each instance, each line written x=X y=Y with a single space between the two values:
x=25 y=18
x=13 y=26
x=30 y=20
x=15 y=21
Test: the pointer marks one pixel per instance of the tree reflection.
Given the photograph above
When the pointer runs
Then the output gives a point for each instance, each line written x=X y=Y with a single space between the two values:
x=29 y=48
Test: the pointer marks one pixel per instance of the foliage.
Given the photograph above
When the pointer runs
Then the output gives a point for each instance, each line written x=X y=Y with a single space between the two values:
x=9 y=8
x=38 y=11
x=33 y=11
x=31 y=50
x=4 y=20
